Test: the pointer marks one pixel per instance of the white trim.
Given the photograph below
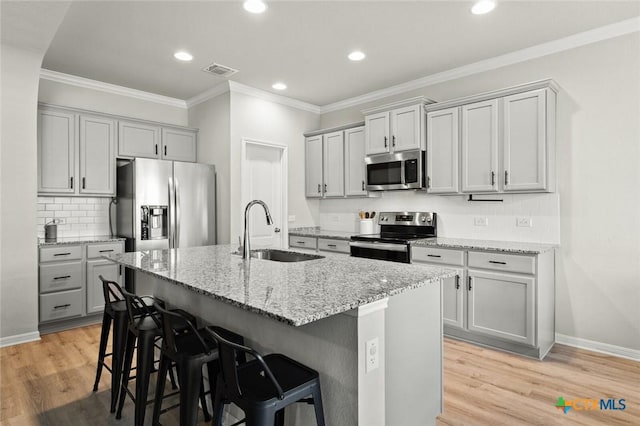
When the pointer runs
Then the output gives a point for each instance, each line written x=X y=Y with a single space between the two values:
x=214 y=92
x=86 y=83
x=570 y=42
x=360 y=311
x=604 y=348
x=19 y=339
x=272 y=97
x=284 y=169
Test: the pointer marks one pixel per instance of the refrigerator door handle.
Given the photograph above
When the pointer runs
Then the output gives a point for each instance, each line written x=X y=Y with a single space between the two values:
x=170 y=213
x=176 y=194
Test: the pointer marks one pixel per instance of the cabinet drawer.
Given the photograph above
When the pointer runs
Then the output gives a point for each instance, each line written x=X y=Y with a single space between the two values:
x=503 y=262
x=328 y=244
x=63 y=304
x=98 y=250
x=304 y=242
x=57 y=253
x=60 y=276
x=436 y=255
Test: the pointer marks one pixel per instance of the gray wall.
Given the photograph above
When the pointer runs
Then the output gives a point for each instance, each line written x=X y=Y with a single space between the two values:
x=598 y=153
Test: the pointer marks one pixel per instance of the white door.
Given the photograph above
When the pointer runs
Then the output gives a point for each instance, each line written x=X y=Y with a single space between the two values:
x=264 y=172
x=453 y=292
x=354 y=167
x=97 y=155
x=313 y=166
x=501 y=305
x=56 y=151
x=524 y=132
x=442 y=151
x=178 y=144
x=406 y=128
x=480 y=146
x=333 y=160
x=377 y=133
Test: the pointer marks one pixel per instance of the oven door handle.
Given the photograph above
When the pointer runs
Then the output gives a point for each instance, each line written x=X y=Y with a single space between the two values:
x=380 y=246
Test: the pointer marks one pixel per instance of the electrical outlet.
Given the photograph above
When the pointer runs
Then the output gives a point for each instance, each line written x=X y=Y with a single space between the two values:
x=61 y=220
x=524 y=221
x=481 y=221
x=292 y=218
x=373 y=354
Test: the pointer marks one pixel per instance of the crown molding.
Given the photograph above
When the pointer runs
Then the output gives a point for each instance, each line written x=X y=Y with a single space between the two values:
x=87 y=83
x=214 y=92
x=570 y=42
x=272 y=97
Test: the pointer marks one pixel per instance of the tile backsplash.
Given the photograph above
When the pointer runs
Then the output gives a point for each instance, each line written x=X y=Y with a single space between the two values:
x=79 y=216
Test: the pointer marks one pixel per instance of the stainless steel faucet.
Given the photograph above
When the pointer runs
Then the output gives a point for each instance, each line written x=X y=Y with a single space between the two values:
x=246 y=249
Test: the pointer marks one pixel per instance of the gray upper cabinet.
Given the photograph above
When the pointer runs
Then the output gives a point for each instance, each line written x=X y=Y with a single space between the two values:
x=333 y=164
x=442 y=151
x=480 y=146
x=524 y=136
x=407 y=129
x=354 y=167
x=313 y=167
x=377 y=133
x=395 y=127
x=178 y=144
x=136 y=139
x=56 y=151
x=97 y=155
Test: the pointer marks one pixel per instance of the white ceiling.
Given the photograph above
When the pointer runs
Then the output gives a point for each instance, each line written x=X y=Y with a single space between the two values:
x=304 y=43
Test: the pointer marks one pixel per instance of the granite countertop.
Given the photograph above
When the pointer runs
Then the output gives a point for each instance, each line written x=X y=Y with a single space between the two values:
x=471 y=244
x=78 y=240
x=315 y=231
x=295 y=293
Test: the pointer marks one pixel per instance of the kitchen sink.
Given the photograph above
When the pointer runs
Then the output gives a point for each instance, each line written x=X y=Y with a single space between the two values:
x=282 y=256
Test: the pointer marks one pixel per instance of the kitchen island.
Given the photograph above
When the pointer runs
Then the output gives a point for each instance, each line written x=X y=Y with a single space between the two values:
x=325 y=313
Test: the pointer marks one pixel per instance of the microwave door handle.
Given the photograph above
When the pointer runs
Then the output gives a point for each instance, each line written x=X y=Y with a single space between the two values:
x=402 y=176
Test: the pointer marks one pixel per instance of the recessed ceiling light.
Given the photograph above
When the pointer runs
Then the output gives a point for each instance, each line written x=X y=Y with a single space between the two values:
x=254 y=6
x=483 y=6
x=356 y=55
x=279 y=86
x=183 y=56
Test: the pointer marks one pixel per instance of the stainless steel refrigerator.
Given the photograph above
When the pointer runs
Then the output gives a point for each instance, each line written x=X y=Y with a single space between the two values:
x=166 y=204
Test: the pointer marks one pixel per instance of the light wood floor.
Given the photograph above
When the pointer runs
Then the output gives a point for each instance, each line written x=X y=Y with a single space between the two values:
x=49 y=383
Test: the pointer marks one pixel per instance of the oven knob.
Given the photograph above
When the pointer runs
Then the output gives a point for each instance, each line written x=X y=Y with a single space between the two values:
x=424 y=218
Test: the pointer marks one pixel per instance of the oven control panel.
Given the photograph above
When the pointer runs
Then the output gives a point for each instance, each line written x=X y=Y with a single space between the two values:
x=407 y=218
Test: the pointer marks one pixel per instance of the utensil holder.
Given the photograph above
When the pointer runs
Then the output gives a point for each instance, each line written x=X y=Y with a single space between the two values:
x=366 y=226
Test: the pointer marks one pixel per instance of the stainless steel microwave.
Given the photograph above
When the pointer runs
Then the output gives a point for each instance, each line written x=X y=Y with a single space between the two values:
x=400 y=170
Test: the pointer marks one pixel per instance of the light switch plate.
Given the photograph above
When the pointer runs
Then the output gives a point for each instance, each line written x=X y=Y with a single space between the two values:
x=481 y=221
x=373 y=355
x=524 y=221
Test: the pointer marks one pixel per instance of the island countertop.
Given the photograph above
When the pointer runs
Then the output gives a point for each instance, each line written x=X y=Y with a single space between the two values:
x=296 y=293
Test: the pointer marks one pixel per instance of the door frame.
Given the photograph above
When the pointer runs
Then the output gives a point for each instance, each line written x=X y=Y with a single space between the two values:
x=284 y=170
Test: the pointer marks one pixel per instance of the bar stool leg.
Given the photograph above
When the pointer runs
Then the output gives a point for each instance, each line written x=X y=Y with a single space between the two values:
x=118 y=349
x=126 y=371
x=317 y=405
x=162 y=377
x=190 y=378
x=104 y=337
x=203 y=402
x=144 y=367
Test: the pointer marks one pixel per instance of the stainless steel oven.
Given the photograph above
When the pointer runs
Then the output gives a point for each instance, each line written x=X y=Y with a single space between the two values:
x=400 y=170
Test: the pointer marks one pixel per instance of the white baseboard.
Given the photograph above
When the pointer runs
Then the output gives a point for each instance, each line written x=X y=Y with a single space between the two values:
x=19 y=338
x=605 y=348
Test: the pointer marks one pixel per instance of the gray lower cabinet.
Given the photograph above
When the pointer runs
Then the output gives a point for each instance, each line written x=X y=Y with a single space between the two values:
x=328 y=244
x=496 y=299
x=70 y=287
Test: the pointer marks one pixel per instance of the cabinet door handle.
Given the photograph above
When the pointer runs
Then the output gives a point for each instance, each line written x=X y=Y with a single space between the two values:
x=300 y=242
x=62 y=306
x=319 y=188
x=332 y=245
x=156 y=149
x=325 y=187
x=62 y=254
x=428 y=182
x=120 y=270
x=106 y=251
x=506 y=177
x=84 y=182
x=434 y=255
x=62 y=277
x=469 y=279
x=71 y=181
x=385 y=141
x=493 y=178
x=497 y=263
x=393 y=140
x=457 y=282
x=363 y=185
x=165 y=150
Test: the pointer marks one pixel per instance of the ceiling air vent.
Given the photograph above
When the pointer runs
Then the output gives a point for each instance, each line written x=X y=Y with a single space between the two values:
x=220 y=70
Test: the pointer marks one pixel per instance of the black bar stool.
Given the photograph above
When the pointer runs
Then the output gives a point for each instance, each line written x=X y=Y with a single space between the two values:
x=263 y=387
x=186 y=346
x=144 y=328
x=115 y=311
